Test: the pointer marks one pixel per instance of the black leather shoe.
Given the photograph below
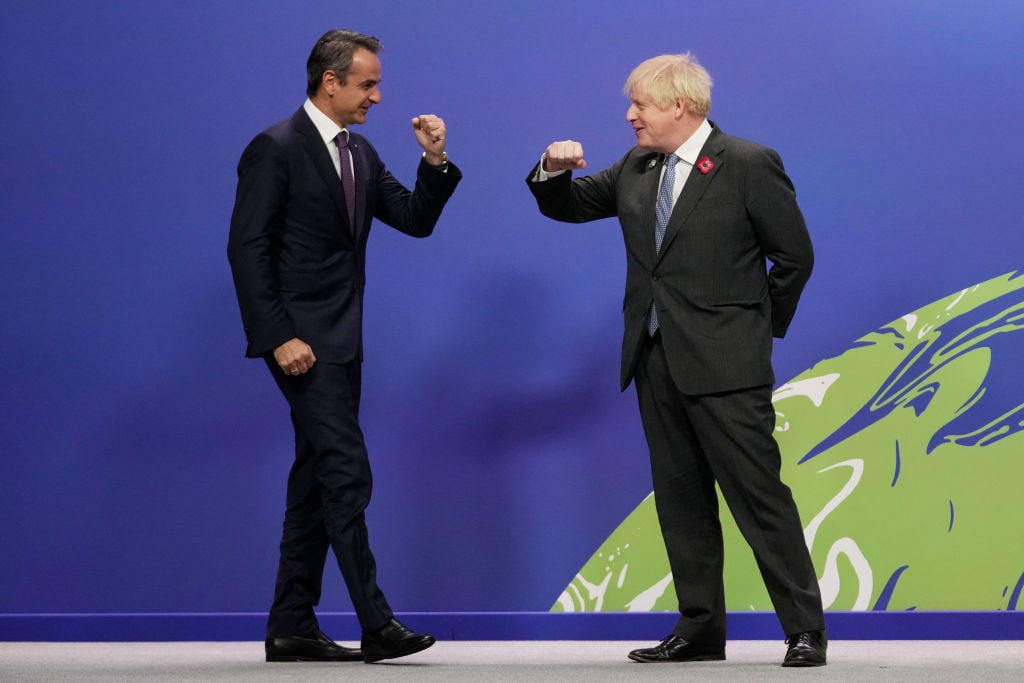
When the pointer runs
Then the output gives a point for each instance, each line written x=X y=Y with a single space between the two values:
x=316 y=647
x=806 y=649
x=393 y=640
x=676 y=649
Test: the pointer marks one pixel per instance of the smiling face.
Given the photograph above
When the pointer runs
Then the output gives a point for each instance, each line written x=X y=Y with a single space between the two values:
x=657 y=129
x=347 y=102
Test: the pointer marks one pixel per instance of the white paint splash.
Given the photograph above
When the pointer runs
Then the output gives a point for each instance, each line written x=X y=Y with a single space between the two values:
x=813 y=388
x=830 y=580
x=645 y=601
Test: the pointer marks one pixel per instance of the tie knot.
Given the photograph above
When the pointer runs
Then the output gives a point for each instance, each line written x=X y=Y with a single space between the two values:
x=342 y=140
x=671 y=161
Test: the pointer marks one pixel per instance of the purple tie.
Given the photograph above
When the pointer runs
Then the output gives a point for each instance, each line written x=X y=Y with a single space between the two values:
x=348 y=180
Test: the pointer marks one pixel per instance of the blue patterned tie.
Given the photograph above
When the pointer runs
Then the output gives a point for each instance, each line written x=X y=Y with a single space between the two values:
x=664 y=212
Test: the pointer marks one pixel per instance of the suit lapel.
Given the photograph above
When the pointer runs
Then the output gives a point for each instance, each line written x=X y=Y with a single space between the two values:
x=697 y=182
x=361 y=167
x=315 y=148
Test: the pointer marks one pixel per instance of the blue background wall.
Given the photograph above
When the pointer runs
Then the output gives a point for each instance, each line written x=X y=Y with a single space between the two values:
x=144 y=458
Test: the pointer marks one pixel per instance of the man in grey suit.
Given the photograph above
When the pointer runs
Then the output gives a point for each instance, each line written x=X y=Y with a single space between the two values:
x=702 y=215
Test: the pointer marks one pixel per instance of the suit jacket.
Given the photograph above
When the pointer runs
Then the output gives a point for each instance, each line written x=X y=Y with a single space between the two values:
x=298 y=265
x=718 y=302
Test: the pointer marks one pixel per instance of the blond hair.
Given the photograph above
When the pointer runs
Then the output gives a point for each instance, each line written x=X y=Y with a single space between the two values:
x=666 y=78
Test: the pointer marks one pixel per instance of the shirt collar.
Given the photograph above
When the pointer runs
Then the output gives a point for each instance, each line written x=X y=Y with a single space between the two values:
x=328 y=129
x=689 y=150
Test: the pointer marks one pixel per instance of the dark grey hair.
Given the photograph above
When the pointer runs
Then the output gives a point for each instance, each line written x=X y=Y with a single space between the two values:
x=333 y=52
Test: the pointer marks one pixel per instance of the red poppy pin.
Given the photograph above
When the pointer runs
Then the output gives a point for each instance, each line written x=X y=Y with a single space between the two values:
x=705 y=165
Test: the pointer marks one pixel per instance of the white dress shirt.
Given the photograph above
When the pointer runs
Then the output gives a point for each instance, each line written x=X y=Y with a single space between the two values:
x=328 y=131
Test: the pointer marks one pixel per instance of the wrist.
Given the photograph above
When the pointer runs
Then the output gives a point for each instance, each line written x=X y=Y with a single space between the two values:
x=435 y=159
x=439 y=161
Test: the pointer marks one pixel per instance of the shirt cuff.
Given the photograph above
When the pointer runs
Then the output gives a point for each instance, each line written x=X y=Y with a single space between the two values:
x=541 y=175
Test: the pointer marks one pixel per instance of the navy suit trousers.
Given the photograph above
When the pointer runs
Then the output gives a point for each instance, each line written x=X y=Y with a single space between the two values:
x=329 y=489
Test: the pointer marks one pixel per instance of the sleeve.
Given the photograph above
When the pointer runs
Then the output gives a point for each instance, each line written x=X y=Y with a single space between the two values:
x=783 y=235
x=579 y=200
x=414 y=213
x=259 y=201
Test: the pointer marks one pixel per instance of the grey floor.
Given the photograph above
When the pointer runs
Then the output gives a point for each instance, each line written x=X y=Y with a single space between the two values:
x=562 y=661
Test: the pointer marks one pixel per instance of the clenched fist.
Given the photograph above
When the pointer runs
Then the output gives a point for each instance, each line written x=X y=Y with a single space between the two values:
x=564 y=156
x=431 y=135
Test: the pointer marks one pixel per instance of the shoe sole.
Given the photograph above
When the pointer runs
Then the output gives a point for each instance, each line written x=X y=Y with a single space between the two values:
x=695 y=658
x=418 y=647
x=309 y=659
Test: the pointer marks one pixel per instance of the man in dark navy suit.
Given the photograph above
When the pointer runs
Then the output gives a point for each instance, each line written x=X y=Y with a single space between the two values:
x=308 y=191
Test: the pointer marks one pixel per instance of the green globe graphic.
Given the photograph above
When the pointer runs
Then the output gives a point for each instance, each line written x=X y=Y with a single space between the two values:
x=905 y=454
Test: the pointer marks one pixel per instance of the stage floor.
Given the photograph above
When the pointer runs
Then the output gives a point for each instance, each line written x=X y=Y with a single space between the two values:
x=562 y=661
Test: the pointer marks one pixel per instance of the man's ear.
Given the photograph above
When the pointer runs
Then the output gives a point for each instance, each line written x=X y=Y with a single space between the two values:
x=329 y=82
